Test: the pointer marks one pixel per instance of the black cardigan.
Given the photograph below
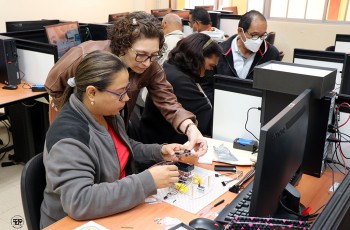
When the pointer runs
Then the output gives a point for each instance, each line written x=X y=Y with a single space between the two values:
x=155 y=129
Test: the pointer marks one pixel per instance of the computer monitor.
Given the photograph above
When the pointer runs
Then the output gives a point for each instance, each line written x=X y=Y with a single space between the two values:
x=230 y=122
x=336 y=213
x=337 y=60
x=64 y=36
x=229 y=23
x=15 y=26
x=342 y=43
x=280 y=154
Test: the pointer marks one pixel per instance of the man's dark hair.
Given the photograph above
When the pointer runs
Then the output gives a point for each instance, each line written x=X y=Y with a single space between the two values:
x=248 y=17
x=201 y=15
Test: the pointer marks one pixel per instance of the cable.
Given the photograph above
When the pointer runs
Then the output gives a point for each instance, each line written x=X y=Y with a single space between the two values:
x=245 y=126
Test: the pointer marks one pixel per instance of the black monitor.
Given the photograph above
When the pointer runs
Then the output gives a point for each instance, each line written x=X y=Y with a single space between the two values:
x=15 y=26
x=342 y=43
x=337 y=60
x=336 y=213
x=230 y=122
x=280 y=154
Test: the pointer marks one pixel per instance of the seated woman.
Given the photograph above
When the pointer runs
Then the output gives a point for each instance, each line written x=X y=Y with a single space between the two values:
x=88 y=157
x=185 y=68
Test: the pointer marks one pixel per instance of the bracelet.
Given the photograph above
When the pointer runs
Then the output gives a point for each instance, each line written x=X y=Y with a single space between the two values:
x=188 y=127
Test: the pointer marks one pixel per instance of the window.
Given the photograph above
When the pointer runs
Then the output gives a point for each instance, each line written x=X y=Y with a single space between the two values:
x=331 y=10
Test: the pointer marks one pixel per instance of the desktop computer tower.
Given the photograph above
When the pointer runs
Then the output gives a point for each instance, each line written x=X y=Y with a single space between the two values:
x=321 y=114
x=9 y=71
x=29 y=123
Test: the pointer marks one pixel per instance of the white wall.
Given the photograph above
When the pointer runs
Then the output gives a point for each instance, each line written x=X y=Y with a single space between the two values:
x=75 y=10
x=315 y=35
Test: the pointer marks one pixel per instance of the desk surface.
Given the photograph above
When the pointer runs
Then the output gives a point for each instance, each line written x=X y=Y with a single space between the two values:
x=23 y=92
x=314 y=193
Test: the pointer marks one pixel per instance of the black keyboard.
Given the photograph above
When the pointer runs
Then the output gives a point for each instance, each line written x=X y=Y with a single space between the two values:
x=238 y=206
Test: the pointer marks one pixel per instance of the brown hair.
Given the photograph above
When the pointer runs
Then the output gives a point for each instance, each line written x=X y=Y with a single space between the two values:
x=96 y=69
x=126 y=30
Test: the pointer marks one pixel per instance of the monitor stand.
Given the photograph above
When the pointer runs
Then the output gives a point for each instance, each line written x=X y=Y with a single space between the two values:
x=291 y=200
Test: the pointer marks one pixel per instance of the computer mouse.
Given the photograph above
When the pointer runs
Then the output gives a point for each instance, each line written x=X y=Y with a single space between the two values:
x=205 y=224
x=10 y=87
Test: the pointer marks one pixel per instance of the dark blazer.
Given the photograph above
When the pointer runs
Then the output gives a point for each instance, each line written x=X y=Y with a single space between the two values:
x=155 y=129
x=267 y=52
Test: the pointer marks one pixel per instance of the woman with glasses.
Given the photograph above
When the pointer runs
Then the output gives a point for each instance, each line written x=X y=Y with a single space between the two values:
x=248 y=48
x=89 y=159
x=138 y=40
x=187 y=64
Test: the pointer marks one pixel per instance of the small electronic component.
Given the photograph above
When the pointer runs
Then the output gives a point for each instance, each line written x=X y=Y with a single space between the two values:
x=183 y=153
x=201 y=188
x=184 y=167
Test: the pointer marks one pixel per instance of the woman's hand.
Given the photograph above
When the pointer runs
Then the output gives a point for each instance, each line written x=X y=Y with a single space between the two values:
x=168 y=151
x=164 y=175
x=196 y=141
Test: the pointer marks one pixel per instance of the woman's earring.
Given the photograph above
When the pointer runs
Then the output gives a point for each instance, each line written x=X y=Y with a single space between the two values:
x=92 y=102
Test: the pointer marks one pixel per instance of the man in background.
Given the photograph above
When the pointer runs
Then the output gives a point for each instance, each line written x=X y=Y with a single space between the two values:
x=248 y=48
x=200 y=22
x=172 y=28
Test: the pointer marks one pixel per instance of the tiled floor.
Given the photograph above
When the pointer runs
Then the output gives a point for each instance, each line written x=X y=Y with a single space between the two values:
x=10 y=191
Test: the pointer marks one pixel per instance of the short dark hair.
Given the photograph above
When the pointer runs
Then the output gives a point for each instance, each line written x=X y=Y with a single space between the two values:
x=248 y=17
x=190 y=52
x=201 y=15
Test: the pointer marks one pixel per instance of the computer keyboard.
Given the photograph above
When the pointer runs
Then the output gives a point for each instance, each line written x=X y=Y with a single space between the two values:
x=238 y=206
x=236 y=214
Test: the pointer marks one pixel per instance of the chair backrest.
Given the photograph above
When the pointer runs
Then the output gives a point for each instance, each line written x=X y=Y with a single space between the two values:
x=234 y=9
x=271 y=38
x=33 y=183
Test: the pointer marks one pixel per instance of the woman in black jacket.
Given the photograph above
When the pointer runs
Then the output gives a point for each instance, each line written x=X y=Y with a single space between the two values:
x=185 y=68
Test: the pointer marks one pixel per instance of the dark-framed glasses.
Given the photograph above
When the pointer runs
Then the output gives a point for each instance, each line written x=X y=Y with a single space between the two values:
x=121 y=95
x=144 y=57
x=256 y=37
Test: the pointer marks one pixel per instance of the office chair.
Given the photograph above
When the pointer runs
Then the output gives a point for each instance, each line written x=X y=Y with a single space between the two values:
x=271 y=38
x=234 y=9
x=33 y=183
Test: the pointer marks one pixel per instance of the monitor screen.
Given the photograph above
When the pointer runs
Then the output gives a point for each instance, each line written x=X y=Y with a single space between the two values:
x=337 y=60
x=64 y=36
x=342 y=43
x=229 y=23
x=229 y=122
x=280 y=154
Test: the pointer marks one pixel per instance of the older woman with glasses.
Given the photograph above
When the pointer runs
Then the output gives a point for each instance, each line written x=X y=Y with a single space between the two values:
x=138 y=40
x=88 y=157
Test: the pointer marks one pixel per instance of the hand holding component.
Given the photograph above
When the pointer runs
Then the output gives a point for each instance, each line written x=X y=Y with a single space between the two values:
x=169 y=151
x=164 y=175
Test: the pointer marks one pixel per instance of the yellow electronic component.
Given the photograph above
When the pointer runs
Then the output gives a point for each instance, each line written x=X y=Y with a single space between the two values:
x=197 y=179
x=181 y=187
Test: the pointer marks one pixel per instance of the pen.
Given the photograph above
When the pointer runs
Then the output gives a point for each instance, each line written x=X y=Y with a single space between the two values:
x=218 y=203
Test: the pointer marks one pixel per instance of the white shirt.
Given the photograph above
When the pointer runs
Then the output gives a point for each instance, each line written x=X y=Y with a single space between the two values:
x=240 y=62
x=171 y=40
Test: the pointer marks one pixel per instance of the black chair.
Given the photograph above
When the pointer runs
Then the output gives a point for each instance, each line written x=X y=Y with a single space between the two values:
x=33 y=183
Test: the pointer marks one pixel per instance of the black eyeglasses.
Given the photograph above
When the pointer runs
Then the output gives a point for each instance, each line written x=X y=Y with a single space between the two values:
x=256 y=37
x=121 y=95
x=145 y=57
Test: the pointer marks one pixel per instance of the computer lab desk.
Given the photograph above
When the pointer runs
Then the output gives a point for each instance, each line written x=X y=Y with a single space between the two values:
x=28 y=119
x=314 y=193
